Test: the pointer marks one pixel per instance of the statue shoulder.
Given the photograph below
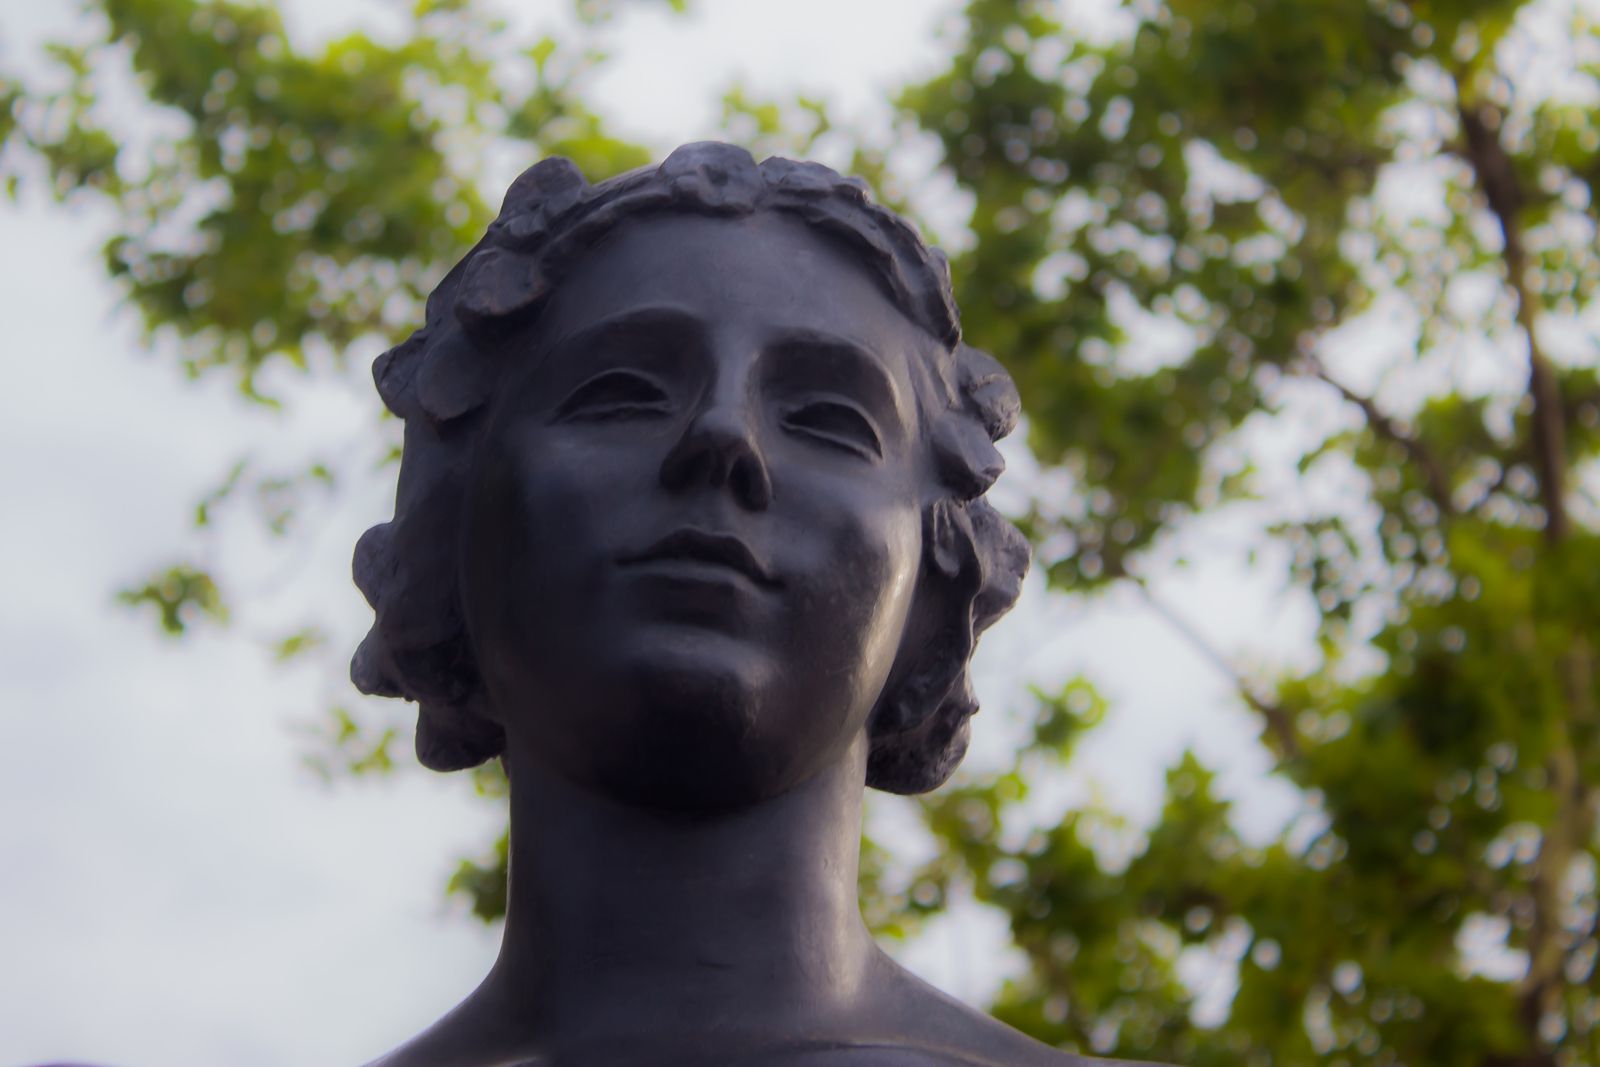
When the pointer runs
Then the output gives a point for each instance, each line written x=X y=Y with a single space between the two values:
x=913 y=1056
x=942 y=1031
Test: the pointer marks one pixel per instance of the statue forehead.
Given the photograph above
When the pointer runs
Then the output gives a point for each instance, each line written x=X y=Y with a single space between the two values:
x=767 y=268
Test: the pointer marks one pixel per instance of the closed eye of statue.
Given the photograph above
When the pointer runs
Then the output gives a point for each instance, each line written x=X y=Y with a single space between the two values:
x=837 y=424
x=615 y=394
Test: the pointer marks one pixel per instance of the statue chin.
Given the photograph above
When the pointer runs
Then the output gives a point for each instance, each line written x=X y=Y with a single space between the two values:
x=681 y=736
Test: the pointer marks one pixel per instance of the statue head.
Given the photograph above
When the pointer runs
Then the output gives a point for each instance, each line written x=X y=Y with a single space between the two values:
x=692 y=488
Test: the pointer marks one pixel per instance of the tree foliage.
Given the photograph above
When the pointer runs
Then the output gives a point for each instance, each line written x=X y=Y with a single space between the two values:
x=1178 y=227
x=1227 y=173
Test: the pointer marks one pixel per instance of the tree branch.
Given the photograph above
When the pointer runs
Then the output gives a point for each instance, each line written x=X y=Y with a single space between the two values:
x=1433 y=473
x=1496 y=177
x=1276 y=718
x=1572 y=826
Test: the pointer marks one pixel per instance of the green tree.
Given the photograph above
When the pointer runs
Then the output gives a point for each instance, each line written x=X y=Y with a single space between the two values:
x=1176 y=226
x=276 y=209
x=1229 y=173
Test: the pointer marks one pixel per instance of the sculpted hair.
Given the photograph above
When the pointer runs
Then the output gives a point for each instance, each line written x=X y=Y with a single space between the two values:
x=440 y=379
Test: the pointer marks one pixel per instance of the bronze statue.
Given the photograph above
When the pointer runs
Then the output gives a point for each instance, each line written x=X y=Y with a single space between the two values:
x=691 y=534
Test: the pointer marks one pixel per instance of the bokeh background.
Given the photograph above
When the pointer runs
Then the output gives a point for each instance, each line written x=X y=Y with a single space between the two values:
x=1290 y=754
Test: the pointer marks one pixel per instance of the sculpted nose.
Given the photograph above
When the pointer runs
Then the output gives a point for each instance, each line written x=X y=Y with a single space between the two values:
x=720 y=449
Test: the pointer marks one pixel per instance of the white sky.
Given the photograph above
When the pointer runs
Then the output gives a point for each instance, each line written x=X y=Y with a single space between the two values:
x=175 y=889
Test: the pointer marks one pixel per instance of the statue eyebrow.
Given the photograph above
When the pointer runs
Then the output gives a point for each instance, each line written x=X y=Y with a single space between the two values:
x=829 y=358
x=650 y=318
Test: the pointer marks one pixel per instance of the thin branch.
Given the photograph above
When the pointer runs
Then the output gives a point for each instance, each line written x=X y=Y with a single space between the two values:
x=1496 y=177
x=1433 y=473
x=1573 y=825
x=1276 y=718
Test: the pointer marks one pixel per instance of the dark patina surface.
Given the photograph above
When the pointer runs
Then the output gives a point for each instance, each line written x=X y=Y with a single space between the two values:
x=691 y=534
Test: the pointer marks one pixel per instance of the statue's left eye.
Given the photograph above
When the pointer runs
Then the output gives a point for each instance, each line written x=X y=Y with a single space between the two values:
x=615 y=394
x=835 y=423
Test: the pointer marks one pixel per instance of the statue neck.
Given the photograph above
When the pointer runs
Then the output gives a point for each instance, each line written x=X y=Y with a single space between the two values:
x=621 y=917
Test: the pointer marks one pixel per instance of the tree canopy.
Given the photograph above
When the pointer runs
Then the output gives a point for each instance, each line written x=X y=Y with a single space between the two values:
x=1178 y=228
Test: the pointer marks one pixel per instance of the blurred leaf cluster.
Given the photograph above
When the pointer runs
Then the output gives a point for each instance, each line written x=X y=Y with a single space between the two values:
x=1177 y=227
x=1225 y=174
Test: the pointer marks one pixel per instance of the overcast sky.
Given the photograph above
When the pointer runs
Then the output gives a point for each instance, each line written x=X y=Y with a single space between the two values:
x=176 y=890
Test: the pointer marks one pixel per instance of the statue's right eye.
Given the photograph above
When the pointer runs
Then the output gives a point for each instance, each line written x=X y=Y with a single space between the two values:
x=615 y=394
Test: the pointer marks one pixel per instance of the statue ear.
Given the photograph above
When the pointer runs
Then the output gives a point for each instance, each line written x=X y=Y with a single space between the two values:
x=938 y=637
x=918 y=731
x=457 y=737
x=973 y=563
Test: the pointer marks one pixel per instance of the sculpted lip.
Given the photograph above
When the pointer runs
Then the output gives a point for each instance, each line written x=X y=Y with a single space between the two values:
x=702 y=547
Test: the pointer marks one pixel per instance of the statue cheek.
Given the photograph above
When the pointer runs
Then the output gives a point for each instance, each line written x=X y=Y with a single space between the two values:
x=530 y=553
x=874 y=565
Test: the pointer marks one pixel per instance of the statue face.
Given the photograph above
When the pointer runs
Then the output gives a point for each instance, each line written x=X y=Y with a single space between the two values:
x=693 y=525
